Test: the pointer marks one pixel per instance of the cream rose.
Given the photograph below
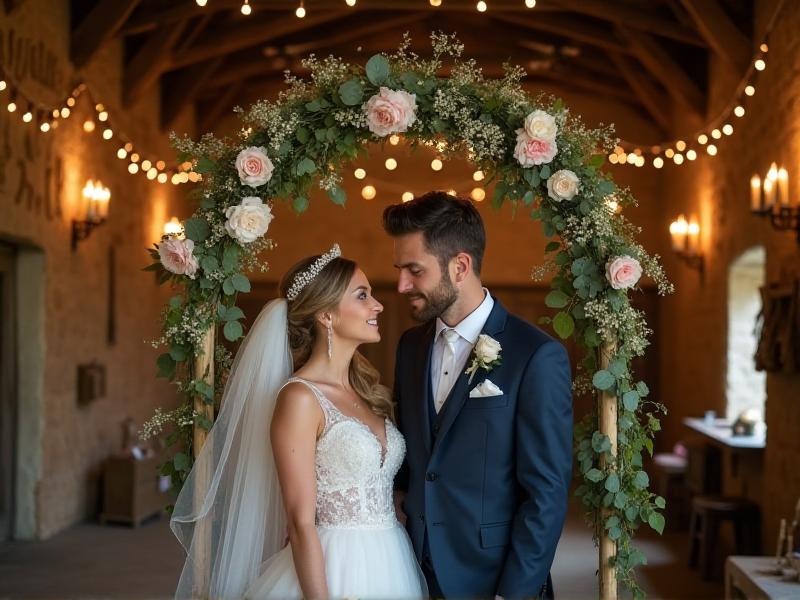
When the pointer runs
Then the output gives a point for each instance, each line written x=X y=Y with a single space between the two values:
x=254 y=166
x=390 y=111
x=562 y=185
x=248 y=221
x=539 y=124
x=534 y=151
x=177 y=256
x=623 y=272
x=487 y=349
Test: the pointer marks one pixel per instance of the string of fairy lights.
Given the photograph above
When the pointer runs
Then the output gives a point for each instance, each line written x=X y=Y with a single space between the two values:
x=706 y=140
x=46 y=119
x=300 y=12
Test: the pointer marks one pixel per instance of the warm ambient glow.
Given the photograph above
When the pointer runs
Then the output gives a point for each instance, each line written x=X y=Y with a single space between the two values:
x=173 y=227
x=98 y=197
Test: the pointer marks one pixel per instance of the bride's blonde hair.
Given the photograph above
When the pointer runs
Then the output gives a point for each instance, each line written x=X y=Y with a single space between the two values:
x=322 y=294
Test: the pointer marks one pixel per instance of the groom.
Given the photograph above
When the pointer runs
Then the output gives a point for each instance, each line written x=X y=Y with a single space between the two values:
x=484 y=402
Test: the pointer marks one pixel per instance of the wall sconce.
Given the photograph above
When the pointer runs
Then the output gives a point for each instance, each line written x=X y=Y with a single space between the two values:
x=173 y=227
x=770 y=198
x=97 y=198
x=686 y=242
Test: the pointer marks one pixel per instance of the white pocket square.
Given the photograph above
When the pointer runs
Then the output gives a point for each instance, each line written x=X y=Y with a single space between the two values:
x=485 y=389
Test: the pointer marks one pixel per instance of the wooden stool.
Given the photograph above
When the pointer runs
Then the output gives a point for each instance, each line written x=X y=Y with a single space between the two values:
x=708 y=513
x=670 y=482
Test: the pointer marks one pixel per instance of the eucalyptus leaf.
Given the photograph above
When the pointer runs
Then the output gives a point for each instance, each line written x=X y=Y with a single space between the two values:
x=351 y=92
x=377 y=69
x=564 y=325
x=630 y=400
x=232 y=330
x=240 y=283
x=603 y=380
x=656 y=521
x=181 y=462
x=556 y=299
x=196 y=229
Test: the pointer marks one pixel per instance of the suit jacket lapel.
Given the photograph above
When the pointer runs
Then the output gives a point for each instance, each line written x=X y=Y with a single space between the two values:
x=460 y=392
x=425 y=350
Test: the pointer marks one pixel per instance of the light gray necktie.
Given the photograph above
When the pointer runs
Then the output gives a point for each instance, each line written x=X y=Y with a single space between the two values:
x=447 y=373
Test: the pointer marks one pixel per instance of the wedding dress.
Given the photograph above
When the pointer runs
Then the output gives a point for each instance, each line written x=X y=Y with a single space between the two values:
x=367 y=552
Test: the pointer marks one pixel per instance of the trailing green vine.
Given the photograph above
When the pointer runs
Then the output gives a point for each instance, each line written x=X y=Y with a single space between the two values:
x=539 y=157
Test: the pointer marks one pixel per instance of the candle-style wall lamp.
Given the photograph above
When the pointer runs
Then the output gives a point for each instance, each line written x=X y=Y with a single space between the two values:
x=770 y=198
x=97 y=198
x=686 y=242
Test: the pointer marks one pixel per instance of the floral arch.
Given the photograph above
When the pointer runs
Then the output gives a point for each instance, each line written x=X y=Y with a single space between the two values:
x=540 y=158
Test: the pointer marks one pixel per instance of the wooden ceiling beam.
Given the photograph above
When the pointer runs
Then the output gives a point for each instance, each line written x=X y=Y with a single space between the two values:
x=150 y=61
x=650 y=97
x=569 y=28
x=721 y=33
x=667 y=70
x=215 y=110
x=180 y=89
x=635 y=17
x=251 y=34
x=100 y=25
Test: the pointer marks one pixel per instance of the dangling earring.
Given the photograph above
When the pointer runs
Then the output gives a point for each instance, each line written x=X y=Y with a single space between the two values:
x=330 y=340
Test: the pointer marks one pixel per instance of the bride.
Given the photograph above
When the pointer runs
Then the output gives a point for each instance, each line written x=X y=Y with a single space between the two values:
x=310 y=454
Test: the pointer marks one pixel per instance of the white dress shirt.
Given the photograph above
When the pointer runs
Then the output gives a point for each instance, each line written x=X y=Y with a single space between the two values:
x=447 y=364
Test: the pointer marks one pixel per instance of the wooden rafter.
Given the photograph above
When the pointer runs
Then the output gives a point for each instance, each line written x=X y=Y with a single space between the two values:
x=183 y=87
x=667 y=70
x=654 y=101
x=214 y=111
x=634 y=17
x=150 y=61
x=247 y=35
x=567 y=27
x=100 y=25
x=721 y=33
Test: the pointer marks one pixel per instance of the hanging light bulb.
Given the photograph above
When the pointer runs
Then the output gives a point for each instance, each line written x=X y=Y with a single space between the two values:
x=102 y=116
x=482 y=6
x=408 y=196
x=122 y=153
x=451 y=192
x=477 y=194
x=716 y=134
x=530 y=3
x=70 y=101
x=390 y=164
x=301 y=10
x=128 y=146
x=3 y=85
x=727 y=129
x=368 y=192
x=436 y=164
x=680 y=145
x=350 y=2
x=146 y=164
x=360 y=173
x=201 y=2
x=658 y=162
x=712 y=149
x=612 y=158
x=27 y=117
x=107 y=134
x=750 y=90
x=88 y=126
x=12 y=106
x=739 y=111
x=133 y=168
x=64 y=113
x=478 y=176
x=152 y=173
x=162 y=178
x=160 y=165
x=174 y=180
x=394 y=139
x=678 y=158
x=436 y=2
x=760 y=64
x=669 y=153
x=691 y=155
x=246 y=8
x=45 y=127
x=702 y=138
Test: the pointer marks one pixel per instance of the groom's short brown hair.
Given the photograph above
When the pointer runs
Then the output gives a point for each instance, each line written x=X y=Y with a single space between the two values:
x=449 y=225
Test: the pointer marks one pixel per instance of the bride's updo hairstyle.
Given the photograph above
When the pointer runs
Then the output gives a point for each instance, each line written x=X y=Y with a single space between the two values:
x=323 y=294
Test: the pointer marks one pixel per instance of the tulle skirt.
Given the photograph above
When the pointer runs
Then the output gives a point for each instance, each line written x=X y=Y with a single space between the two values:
x=359 y=563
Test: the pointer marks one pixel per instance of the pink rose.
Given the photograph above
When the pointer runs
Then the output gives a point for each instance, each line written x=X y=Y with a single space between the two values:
x=534 y=151
x=623 y=272
x=177 y=257
x=254 y=166
x=391 y=111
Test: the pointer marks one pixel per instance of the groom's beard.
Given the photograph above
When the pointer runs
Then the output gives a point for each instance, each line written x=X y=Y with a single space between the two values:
x=436 y=302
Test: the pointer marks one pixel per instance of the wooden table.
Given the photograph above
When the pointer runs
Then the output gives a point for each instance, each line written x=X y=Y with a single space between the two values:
x=742 y=456
x=748 y=577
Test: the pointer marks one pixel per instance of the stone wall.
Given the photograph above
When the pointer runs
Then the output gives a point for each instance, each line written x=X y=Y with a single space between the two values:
x=41 y=179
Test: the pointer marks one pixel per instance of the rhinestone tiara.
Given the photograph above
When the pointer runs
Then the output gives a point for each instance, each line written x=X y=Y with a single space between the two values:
x=303 y=278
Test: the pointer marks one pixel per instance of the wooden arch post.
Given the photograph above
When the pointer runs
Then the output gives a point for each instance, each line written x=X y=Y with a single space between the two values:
x=607 y=416
x=203 y=370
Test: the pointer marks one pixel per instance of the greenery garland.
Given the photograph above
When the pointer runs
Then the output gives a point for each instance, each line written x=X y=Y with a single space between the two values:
x=540 y=158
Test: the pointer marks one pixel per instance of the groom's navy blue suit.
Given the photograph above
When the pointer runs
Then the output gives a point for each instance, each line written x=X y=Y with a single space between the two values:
x=487 y=478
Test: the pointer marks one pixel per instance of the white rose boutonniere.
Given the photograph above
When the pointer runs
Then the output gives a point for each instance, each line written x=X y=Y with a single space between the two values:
x=485 y=355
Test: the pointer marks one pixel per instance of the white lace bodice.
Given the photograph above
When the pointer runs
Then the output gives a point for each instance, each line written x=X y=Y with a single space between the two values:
x=355 y=473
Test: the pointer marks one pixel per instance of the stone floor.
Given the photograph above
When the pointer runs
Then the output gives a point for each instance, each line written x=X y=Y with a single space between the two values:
x=91 y=561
